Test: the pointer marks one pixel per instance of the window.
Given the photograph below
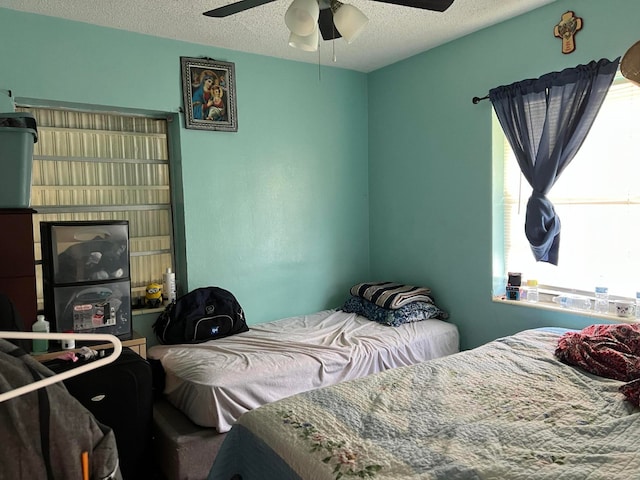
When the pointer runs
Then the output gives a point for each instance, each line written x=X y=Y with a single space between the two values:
x=105 y=166
x=597 y=198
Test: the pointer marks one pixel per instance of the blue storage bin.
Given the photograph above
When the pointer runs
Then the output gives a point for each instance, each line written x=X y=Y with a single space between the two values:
x=18 y=133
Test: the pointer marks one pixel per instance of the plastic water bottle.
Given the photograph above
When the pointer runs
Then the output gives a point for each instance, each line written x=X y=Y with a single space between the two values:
x=523 y=292
x=637 y=305
x=602 y=300
x=574 y=302
x=532 y=291
x=40 y=326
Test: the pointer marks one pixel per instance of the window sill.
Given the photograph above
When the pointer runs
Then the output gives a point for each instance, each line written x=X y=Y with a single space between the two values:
x=146 y=311
x=547 y=305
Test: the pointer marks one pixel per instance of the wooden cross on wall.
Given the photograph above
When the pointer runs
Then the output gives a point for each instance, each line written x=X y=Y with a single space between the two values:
x=566 y=30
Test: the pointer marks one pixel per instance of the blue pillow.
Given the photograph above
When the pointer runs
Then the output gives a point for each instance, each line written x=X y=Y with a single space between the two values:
x=412 y=312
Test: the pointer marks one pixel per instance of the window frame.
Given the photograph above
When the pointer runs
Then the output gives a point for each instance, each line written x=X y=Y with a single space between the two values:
x=176 y=248
x=501 y=240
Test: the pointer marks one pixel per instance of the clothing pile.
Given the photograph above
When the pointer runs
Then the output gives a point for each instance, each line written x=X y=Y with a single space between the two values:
x=610 y=351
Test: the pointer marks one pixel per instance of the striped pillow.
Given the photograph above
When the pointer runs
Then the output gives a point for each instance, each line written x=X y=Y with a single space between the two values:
x=391 y=295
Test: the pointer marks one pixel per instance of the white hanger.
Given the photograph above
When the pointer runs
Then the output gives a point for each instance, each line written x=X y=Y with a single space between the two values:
x=117 y=349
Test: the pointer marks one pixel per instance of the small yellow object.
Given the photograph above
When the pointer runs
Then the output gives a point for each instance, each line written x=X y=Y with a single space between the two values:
x=153 y=295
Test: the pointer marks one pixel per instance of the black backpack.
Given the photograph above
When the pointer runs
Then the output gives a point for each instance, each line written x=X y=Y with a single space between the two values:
x=203 y=314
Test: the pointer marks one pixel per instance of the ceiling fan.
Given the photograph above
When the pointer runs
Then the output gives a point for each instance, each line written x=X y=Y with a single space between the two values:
x=630 y=64
x=333 y=18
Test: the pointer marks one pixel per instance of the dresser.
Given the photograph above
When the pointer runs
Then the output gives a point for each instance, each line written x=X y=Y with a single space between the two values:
x=17 y=264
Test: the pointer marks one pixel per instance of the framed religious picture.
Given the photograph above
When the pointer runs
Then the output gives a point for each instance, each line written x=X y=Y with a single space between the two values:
x=209 y=91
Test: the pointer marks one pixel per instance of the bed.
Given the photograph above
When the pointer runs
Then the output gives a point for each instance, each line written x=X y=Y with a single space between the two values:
x=208 y=386
x=215 y=382
x=511 y=409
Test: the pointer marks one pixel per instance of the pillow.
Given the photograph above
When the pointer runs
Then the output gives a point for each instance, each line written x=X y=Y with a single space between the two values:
x=391 y=295
x=413 y=312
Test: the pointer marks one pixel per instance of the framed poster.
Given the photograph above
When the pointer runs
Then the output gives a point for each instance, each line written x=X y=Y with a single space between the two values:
x=209 y=91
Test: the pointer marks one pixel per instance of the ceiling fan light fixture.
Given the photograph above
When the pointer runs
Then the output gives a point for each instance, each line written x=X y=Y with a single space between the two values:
x=301 y=17
x=349 y=21
x=630 y=64
x=308 y=43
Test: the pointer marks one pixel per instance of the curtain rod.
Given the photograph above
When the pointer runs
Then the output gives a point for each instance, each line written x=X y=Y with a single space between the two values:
x=477 y=100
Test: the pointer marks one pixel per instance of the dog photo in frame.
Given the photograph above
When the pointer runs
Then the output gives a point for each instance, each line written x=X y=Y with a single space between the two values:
x=209 y=91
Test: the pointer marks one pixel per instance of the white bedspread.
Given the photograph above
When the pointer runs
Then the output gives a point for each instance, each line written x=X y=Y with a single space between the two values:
x=215 y=382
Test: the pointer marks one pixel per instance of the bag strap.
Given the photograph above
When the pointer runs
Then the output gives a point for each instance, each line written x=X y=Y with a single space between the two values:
x=163 y=322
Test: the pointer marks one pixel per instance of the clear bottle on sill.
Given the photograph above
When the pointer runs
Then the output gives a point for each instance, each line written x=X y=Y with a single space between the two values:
x=523 y=292
x=573 y=302
x=602 y=300
x=532 y=291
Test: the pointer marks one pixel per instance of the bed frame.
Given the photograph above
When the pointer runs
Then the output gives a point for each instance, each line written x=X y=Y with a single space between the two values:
x=186 y=446
x=183 y=450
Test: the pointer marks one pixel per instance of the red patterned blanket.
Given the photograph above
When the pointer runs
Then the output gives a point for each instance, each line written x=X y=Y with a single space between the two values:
x=610 y=351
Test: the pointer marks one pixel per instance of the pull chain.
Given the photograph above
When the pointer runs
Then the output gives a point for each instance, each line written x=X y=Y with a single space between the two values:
x=319 y=75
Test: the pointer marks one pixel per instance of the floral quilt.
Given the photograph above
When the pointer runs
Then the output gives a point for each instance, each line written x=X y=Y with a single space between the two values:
x=507 y=410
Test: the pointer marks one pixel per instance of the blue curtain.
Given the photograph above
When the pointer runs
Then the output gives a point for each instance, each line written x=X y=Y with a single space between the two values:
x=546 y=121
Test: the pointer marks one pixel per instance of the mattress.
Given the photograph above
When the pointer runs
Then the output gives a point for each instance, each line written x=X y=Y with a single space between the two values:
x=509 y=409
x=215 y=382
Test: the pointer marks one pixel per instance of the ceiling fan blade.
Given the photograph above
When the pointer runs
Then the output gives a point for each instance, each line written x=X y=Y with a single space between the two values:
x=237 y=7
x=435 y=5
x=325 y=23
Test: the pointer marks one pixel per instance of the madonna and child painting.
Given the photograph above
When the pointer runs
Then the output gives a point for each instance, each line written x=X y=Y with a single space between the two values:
x=209 y=94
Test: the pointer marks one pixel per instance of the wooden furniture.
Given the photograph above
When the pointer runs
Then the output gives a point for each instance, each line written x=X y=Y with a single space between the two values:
x=17 y=264
x=138 y=344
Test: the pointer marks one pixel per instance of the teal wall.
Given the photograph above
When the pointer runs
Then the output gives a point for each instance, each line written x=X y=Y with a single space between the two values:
x=325 y=176
x=277 y=213
x=430 y=157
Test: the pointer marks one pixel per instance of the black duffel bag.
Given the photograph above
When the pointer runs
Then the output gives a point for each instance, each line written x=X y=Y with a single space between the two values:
x=203 y=314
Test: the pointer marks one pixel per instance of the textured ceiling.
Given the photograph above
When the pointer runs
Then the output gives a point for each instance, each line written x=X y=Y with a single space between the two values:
x=393 y=33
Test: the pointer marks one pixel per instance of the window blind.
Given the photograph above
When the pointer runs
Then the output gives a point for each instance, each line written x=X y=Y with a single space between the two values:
x=105 y=166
